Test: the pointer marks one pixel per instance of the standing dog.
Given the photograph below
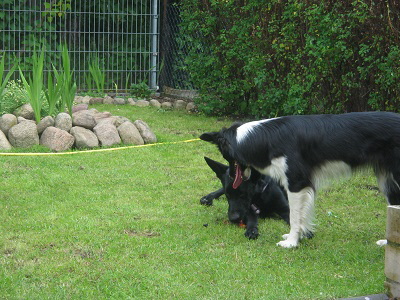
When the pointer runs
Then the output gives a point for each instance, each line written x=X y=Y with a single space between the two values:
x=259 y=196
x=304 y=152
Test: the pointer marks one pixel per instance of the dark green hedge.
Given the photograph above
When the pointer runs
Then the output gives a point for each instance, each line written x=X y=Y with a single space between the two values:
x=271 y=57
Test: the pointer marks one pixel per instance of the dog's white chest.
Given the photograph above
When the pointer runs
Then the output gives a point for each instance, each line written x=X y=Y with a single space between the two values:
x=277 y=170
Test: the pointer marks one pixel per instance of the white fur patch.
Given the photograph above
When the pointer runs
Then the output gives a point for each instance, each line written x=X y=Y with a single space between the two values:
x=328 y=171
x=301 y=206
x=247 y=128
x=277 y=170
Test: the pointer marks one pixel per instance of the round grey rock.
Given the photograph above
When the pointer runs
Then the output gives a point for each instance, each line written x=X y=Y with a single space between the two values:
x=23 y=135
x=63 y=121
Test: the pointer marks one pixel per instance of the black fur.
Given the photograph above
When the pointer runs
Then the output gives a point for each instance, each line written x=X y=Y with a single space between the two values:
x=259 y=190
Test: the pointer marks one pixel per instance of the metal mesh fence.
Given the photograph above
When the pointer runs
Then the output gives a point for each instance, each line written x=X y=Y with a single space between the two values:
x=174 y=47
x=122 y=35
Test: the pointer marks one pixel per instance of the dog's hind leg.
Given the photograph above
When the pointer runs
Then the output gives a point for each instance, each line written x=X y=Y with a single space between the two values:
x=301 y=216
x=389 y=185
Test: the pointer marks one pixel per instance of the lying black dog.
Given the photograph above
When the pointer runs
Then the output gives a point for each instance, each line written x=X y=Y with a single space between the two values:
x=259 y=196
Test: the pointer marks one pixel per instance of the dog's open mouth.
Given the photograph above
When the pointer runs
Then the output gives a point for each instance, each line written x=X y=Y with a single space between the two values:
x=240 y=175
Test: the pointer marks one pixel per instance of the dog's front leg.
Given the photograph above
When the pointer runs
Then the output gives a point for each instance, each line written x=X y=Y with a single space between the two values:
x=252 y=225
x=208 y=199
x=301 y=206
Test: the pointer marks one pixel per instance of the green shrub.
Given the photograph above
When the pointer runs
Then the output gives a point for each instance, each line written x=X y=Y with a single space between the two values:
x=14 y=96
x=141 y=90
x=293 y=57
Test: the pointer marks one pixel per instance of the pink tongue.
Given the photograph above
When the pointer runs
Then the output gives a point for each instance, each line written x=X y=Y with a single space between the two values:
x=238 y=177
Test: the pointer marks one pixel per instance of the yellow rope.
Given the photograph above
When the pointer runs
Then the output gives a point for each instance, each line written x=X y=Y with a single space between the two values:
x=95 y=150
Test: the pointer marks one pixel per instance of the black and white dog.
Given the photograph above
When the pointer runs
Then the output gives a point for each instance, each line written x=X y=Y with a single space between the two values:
x=259 y=196
x=304 y=152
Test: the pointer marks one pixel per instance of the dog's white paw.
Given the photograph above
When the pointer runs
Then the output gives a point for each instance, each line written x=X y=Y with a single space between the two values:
x=288 y=244
x=381 y=243
x=285 y=236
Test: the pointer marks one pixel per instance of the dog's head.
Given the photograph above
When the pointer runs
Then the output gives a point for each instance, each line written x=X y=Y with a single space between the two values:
x=239 y=198
x=225 y=140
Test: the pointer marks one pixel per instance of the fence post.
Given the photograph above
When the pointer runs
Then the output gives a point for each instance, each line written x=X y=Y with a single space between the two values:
x=154 y=45
x=392 y=251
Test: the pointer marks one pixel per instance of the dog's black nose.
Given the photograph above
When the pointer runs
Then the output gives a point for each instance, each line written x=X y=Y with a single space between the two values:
x=234 y=217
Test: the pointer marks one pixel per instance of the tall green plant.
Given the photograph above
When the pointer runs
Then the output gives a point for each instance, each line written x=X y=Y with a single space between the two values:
x=34 y=83
x=88 y=81
x=97 y=74
x=53 y=92
x=66 y=80
x=3 y=82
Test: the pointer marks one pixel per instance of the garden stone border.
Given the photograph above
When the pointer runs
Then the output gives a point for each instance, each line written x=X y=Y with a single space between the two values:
x=162 y=103
x=85 y=129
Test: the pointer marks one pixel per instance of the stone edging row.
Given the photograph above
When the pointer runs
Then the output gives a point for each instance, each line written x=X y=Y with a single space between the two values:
x=85 y=129
x=166 y=103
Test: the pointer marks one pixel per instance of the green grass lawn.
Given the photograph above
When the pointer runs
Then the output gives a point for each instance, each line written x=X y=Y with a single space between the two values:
x=127 y=224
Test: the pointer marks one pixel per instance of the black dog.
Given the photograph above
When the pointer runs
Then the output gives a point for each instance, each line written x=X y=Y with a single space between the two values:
x=259 y=196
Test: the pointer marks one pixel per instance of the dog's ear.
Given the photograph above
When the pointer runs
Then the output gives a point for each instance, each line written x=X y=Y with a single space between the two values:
x=219 y=139
x=216 y=138
x=218 y=168
x=211 y=137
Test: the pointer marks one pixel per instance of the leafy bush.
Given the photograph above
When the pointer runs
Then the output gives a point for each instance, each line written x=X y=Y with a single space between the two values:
x=14 y=96
x=141 y=90
x=293 y=57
